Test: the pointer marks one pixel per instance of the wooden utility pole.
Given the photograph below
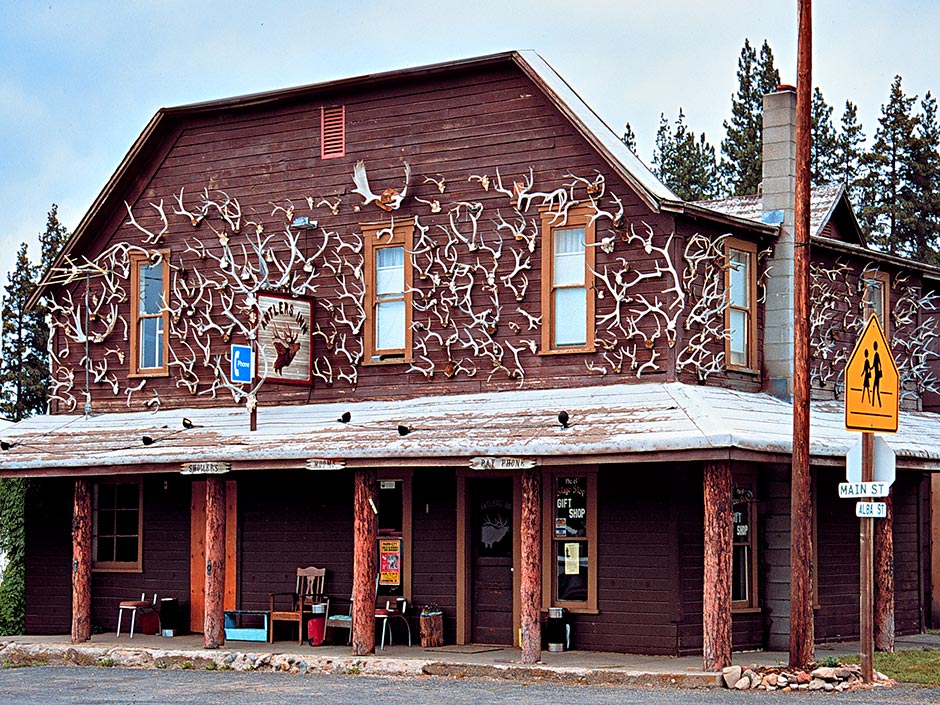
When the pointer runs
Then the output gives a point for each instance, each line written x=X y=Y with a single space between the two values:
x=214 y=632
x=801 y=541
x=81 y=562
x=716 y=594
x=530 y=581
x=365 y=529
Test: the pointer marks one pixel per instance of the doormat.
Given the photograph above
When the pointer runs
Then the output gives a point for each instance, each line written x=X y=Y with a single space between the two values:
x=464 y=649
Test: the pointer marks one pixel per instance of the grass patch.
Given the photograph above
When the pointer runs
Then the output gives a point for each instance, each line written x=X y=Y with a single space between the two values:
x=106 y=662
x=909 y=666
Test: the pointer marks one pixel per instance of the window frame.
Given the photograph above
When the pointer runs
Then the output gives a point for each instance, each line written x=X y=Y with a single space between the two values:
x=378 y=236
x=749 y=248
x=883 y=281
x=405 y=477
x=747 y=482
x=137 y=260
x=577 y=217
x=549 y=489
x=102 y=566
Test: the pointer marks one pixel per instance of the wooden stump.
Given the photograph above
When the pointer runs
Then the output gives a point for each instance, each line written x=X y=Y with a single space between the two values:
x=432 y=630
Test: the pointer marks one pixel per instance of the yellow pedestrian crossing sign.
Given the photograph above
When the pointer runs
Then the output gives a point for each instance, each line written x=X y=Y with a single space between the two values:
x=872 y=384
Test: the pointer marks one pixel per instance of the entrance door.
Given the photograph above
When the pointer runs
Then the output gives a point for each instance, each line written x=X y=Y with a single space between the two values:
x=197 y=560
x=491 y=578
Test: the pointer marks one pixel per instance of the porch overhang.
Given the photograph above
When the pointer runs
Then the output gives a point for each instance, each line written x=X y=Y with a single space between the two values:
x=606 y=424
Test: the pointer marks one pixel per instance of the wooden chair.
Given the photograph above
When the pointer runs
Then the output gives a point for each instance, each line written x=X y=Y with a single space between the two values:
x=339 y=615
x=135 y=607
x=308 y=592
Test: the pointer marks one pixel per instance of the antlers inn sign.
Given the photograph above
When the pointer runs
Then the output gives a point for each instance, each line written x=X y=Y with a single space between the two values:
x=285 y=338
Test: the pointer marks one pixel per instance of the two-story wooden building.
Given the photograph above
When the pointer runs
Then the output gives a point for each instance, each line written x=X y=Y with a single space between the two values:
x=476 y=332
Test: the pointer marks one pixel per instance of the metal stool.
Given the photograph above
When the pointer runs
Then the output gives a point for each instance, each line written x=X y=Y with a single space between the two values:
x=134 y=606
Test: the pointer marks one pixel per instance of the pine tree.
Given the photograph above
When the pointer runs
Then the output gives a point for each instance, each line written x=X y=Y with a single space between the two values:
x=922 y=190
x=823 y=152
x=629 y=138
x=686 y=165
x=23 y=392
x=886 y=211
x=850 y=148
x=742 y=168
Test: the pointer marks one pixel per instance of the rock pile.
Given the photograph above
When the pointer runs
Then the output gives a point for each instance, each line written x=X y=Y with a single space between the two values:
x=825 y=678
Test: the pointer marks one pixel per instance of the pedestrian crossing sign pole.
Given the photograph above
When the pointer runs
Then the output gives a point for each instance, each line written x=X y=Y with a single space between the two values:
x=872 y=391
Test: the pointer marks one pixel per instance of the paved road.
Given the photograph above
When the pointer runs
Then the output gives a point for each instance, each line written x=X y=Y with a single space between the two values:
x=49 y=685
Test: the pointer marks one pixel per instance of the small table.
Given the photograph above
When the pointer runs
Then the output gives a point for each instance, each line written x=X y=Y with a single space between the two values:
x=236 y=630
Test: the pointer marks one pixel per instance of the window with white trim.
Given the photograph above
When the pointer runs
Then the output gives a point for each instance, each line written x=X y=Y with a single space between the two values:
x=741 y=314
x=150 y=284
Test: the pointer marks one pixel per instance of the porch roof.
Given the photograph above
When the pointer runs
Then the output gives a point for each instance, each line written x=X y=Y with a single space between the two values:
x=610 y=423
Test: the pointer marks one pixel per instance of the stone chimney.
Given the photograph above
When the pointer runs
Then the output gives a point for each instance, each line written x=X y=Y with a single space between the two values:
x=779 y=197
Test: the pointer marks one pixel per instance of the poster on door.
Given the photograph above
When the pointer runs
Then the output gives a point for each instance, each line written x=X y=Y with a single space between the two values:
x=390 y=562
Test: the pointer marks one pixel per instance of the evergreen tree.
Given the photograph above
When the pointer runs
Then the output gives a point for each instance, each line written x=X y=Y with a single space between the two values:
x=886 y=212
x=742 y=168
x=850 y=148
x=23 y=392
x=686 y=165
x=922 y=190
x=13 y=548
x=823 y=152
x=629 y=138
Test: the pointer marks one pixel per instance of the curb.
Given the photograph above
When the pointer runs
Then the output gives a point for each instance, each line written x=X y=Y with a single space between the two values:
x=20 y=654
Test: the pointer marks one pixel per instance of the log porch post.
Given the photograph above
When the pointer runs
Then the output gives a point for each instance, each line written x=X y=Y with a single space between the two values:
x=214 y=631
x=884 y=580
x=364 y=562
x=531 y=560
x=716 y=593
x=81 y=562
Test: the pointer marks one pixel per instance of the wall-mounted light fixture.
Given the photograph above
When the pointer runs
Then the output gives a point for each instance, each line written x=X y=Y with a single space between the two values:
x=148 y=440
x=304 y=222
x=403 y=430
x=346 y=417
x=563 y=418
x=6 y=445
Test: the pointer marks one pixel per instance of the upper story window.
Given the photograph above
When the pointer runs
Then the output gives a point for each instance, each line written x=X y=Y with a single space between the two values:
x=741 y=314
x=333 y=132
x=567 y=282
x=876 y=286
x=388 y=291
x=149 y=318
x=117 y=525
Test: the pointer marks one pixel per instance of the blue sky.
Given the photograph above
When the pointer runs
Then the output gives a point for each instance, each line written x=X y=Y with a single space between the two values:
x=80 y=80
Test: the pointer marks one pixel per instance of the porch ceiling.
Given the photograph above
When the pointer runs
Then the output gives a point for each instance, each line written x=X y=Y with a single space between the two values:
x=625 y=421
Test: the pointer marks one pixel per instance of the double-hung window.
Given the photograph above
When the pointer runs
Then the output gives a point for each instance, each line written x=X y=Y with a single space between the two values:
x=117 y=525
x=388 y=291
x=875 y=291
x=567 y=282
x=150 y=287
x=741 y=314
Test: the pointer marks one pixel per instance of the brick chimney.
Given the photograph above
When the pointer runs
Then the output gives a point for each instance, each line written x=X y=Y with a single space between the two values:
x=778 y=197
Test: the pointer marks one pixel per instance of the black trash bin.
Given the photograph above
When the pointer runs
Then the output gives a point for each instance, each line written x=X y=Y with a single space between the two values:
x=169 y=616
x=557 y=631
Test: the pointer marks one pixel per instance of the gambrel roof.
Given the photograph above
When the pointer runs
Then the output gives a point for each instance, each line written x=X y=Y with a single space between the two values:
x=656 y=195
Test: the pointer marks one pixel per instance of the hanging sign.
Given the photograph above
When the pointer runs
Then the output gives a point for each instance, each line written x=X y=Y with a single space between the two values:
x=205 y=468
x=285 y=339
x=486 y=463
x=390 y=562
x=320 y=464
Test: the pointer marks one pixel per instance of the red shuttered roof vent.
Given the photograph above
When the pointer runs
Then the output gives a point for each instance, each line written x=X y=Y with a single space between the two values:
x=333 y=132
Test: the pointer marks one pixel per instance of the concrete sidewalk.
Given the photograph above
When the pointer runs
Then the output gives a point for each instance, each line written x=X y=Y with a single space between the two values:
x=573 y=667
